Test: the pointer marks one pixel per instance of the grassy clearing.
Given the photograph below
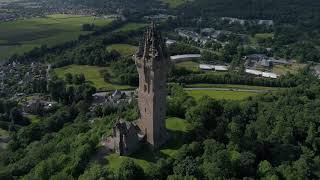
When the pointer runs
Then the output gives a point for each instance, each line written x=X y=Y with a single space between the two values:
x=22 y=35
x=228 y=95
x=175 y=3
x=3 y=132
x=33 y=118
x=190 y=65
x=123 y=49
x=131 y=27
x=92 y=73
x=232 y=86
x=177 y=128
x=263 y=35
x=259 y=37
x=284 y=69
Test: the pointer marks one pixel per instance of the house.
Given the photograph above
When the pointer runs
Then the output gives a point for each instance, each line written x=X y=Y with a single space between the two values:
x=265 y=63
x=256 y=57
x=38 y=106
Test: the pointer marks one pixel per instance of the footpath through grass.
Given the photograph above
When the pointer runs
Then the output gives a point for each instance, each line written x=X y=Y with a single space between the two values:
x=92 y=73
x=178 y=129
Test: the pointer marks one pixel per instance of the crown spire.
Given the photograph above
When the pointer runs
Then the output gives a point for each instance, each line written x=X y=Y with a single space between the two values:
x=153 y=43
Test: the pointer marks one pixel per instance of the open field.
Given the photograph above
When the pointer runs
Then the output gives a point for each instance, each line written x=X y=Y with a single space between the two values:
x=92 y=73
x=259 y=37
x=217 y=94
x=123 y=49
x=130 y=27
x=233 y=86
x=3 y=132
x=23 y=35
x=190 y=65
x=177 y=128
x=284 y=69
x=175 y=3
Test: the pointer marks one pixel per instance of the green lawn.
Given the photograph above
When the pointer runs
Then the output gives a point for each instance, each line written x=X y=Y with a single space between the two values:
x=260 y=36
x=175 y=3
x=123 y=49
x=131 y=27
x=228 y=95
x=3 y=132
x=190 y=65
x=144 y=157
x=33 y=118
x=92 y=73
x=232 y=86
x=22 y=35
x=284 y=69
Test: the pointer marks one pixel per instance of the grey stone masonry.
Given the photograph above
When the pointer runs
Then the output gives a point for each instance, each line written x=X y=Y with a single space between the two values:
x=152 y=62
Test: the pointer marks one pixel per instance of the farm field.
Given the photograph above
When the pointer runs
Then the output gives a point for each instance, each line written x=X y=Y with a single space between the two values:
x=130 y=27
x=23 y=35
x=92 y=73
x=123 y=49
x=217 y=94
x=176 y=126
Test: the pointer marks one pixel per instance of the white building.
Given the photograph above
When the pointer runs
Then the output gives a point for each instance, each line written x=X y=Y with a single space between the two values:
x=184 y=57
x=269 y=75
x=254 y=72
x=213 y=67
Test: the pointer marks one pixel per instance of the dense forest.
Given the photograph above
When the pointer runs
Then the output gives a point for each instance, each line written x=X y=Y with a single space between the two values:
x=271 y=136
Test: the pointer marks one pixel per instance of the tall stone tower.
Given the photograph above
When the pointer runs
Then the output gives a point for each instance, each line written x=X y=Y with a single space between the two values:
x=152 y=62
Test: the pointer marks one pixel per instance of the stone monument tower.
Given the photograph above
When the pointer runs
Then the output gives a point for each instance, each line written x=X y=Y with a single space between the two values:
x=152 y=62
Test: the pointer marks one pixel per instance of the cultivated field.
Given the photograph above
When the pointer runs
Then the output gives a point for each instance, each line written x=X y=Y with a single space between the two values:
x=221 y=94
x=123 y=49
x=92 y=74
x=23 y=35
x=177 y=128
